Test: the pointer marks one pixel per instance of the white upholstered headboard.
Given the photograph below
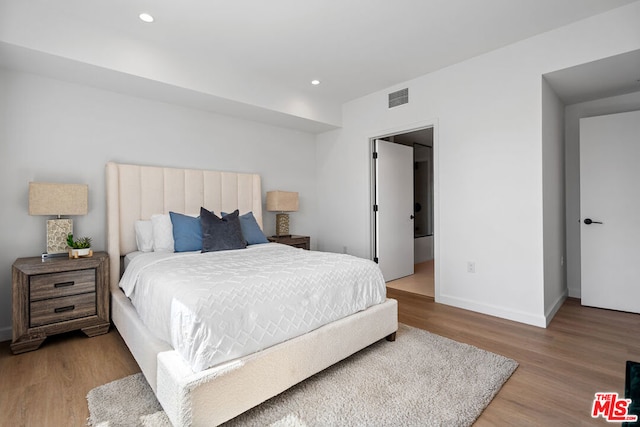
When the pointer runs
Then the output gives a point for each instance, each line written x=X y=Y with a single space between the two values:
x=136 y=192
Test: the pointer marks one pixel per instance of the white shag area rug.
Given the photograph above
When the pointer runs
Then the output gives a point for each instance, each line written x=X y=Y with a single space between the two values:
x=421 y=379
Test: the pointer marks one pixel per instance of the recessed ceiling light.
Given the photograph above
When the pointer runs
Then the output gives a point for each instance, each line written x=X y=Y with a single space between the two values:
x=146 y=17
x=315 y=82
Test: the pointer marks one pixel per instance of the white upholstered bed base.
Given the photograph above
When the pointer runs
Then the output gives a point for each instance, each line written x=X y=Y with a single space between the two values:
x=218 y=394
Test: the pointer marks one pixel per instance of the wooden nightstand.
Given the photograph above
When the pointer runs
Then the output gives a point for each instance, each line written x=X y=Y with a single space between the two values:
x=59 y=295
x=303 y=242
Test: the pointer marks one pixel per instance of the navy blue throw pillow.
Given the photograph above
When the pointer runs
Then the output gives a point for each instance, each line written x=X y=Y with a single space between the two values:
x=221 y=234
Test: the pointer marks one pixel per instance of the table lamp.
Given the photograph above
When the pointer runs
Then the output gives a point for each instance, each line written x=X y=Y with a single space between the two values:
x=281 y=202
x=58 y=199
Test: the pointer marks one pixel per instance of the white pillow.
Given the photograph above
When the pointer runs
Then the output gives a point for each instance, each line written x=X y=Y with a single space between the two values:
x=162 y=233
x=144 y=235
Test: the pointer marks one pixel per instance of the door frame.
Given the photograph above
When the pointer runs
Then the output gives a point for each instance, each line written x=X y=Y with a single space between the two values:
x=384 y=133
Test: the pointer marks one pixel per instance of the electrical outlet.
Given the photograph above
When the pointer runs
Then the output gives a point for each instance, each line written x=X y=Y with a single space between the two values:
x=562 y=261
x=471 y=267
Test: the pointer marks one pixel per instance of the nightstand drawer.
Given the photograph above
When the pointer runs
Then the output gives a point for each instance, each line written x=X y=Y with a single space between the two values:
x=304 y=245
x=53 y=285
x=60 y=309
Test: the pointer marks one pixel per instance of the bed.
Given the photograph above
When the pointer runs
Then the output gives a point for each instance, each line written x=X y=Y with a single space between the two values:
x=213 y=395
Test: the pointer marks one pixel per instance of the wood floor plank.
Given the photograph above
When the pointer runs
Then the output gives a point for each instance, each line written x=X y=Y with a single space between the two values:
x=583 y=351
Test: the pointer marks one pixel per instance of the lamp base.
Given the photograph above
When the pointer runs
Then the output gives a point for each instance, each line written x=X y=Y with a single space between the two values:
x=282 y=225
x=57 y=231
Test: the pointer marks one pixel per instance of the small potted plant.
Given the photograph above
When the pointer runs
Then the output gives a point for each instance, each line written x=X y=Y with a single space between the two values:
x=79 y=247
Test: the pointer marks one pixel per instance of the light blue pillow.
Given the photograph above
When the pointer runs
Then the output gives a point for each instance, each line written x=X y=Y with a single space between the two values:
x=187 y=232
x=250 y=229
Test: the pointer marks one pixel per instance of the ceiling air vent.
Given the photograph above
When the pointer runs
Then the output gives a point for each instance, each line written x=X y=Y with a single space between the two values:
x=398 y=98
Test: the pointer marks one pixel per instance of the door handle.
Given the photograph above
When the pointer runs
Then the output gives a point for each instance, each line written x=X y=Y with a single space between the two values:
x=589 y=221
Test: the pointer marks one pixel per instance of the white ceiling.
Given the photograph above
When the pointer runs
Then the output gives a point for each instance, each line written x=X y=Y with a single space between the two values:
x=355 y=47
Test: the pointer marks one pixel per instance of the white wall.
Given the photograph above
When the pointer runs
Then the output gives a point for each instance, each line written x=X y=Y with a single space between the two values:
x=61 y=132
x=573 y=114
x=553 y=201
x=422 y=249
x=487 y=113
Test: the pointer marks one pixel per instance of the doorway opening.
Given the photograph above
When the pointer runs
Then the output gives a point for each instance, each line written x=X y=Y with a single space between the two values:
x=420 y=190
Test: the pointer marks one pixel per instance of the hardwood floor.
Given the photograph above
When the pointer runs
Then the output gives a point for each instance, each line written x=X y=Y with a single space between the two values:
x=48 y=387
x=421 y=282
x=582 y=352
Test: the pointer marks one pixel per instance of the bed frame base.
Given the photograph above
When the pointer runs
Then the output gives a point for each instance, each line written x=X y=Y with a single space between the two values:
x=216 y=395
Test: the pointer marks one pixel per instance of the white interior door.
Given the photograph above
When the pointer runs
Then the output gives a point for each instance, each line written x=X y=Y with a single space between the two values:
x=394 y=217
x=610 y=202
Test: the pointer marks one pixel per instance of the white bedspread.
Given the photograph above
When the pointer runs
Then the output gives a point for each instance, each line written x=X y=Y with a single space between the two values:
x=217 y=306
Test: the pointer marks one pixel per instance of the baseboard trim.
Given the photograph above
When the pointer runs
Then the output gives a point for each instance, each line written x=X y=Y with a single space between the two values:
x=575 y=293
x=492 y=310
x=556 y=306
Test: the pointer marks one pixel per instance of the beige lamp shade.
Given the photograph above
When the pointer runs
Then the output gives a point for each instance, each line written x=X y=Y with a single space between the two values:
x=282 y=201
x=58 y=199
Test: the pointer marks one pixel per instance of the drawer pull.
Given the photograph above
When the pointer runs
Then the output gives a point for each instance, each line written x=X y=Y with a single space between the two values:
x=64 y=284
x=63 y=309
